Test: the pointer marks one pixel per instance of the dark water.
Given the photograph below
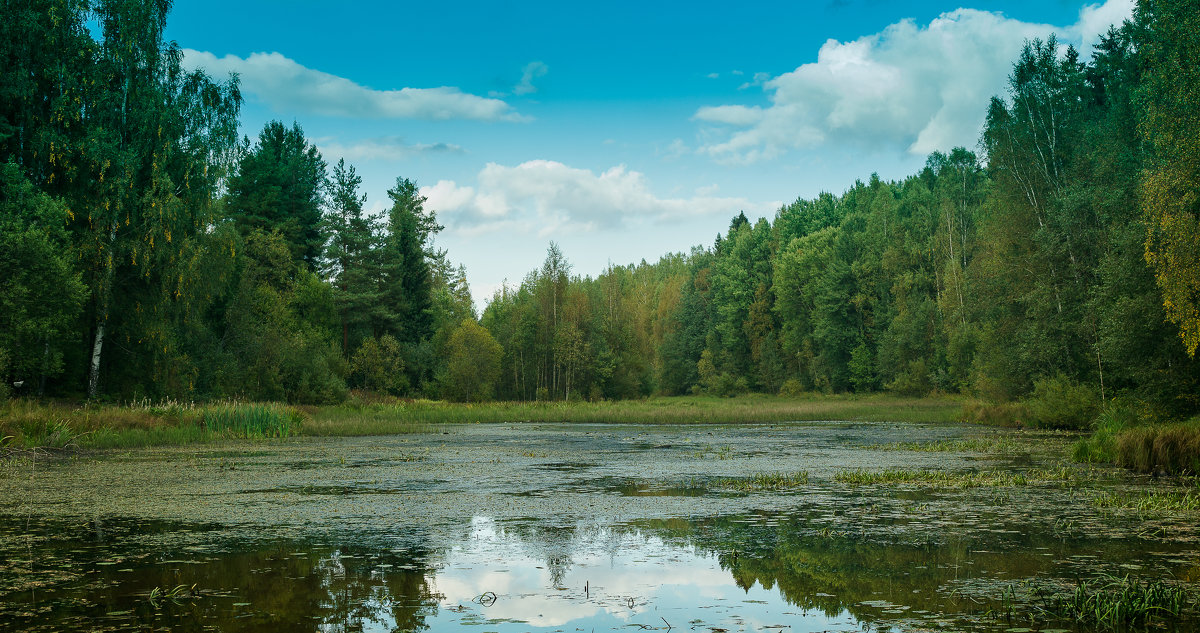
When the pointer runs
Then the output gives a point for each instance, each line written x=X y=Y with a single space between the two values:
x=628 y=540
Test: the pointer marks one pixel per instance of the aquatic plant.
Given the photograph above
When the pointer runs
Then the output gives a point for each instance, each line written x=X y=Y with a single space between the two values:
x=1155 y=503
x=959 y=479
x=1112 y=602
x=764 y=481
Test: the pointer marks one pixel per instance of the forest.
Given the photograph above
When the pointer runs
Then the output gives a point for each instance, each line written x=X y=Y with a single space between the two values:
x=151 y=252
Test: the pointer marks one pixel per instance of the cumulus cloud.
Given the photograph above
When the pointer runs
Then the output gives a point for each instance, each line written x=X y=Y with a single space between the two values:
x=532 y=70
x=284 y=84
x=922 y=88
x=543 y=197
x=382 y=148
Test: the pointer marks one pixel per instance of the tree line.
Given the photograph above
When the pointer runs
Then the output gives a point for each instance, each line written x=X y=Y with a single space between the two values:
x=1061 y=260
x=150 y=252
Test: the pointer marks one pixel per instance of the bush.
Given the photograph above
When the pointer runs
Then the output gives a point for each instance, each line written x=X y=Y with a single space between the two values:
x=1063 y=403
x=791 y=388
x=378 y=365
x=995 y=414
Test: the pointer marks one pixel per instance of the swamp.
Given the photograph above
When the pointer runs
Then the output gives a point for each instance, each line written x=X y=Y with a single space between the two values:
x=797 y=527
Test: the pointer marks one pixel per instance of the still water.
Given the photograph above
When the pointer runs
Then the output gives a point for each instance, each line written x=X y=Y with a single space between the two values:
x=560 y=530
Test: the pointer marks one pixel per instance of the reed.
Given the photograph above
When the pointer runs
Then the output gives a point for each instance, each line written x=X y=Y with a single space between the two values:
x=1121 y=603
x=1165 y=449
x=251 y=420
x=764 y=481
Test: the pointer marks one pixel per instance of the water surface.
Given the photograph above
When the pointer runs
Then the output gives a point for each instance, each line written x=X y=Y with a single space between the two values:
x=556 y=528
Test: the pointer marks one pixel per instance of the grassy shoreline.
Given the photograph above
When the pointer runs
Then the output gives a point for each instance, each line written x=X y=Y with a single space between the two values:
x=26 y=425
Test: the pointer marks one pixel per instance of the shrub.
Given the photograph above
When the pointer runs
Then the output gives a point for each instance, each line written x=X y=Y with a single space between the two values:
x=995 y=414
x=378 y=365
x=791 y=388
x=1063 y=403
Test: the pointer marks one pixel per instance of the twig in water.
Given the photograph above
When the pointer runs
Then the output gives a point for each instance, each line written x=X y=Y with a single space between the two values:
x=669 y=627
x=485 y=599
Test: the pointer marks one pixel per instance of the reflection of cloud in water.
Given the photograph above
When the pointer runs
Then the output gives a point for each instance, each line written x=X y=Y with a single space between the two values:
x=635 y=566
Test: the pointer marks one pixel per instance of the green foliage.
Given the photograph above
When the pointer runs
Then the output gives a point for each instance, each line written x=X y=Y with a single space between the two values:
x=279 y=186
x=473 y=364
x=378 y=365
x=35 y=258
x=1170 y=126
x=1101 y=445
x=1063 y=403
x=273 y=347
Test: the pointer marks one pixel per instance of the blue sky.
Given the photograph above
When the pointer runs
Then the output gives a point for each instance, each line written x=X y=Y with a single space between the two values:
x=626 y=130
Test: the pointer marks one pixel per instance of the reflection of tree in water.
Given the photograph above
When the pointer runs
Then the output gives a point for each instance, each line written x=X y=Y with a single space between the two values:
x=294 y=587
x=358 y=591
x=840 y=572
x=553 y=544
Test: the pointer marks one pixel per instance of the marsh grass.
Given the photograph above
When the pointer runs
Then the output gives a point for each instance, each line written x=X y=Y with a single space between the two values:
x=251 y=420
x=1138 y=441
x=27 y=425
x=961 y=479
x=1172 y=449
x=395 y=416
x=1119 y=603
x=1012 y=414
x=764 y=481
x=988 y=445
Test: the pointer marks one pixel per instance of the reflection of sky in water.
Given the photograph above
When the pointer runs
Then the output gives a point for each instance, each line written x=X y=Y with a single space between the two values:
x=630 y=578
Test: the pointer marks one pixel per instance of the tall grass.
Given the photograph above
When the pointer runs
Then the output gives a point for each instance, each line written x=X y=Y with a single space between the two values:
x=1121 y=603
x=26 y=425
x=1136 y=440
x=251 y=420
x=1173 y=448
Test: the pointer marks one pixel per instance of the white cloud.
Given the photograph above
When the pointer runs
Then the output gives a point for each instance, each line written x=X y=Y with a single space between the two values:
x=1094 y=20
x=921 y=88
x=730 y=115
x=543 y=197
x=674 y=149
x=388 y=148
x=532 y=70
x=758 y=80
x=285 y=85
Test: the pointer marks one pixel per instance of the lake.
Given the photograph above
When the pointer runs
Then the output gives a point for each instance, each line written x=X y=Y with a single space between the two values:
x=582 y=528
